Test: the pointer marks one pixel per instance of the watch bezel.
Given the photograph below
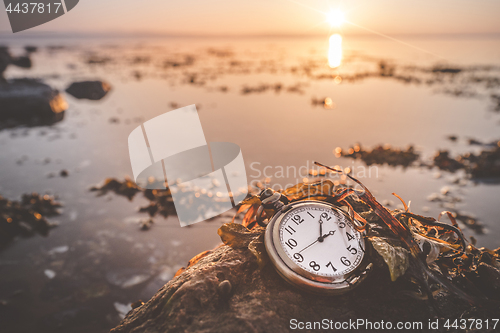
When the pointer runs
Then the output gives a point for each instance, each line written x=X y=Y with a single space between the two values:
x=302 y=278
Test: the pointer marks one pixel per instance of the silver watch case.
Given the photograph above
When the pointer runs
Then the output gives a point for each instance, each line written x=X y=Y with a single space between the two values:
x=301 y=278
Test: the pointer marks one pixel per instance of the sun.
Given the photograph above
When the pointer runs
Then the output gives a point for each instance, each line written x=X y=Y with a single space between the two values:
x=335 y=17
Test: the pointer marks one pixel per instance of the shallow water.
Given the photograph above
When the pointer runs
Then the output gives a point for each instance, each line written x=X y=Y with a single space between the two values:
x=100 y=258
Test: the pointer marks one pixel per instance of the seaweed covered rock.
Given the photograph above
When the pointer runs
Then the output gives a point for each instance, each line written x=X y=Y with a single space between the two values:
x=232 y=289
x=422 y=270
x=26 y=217
x=92 y=90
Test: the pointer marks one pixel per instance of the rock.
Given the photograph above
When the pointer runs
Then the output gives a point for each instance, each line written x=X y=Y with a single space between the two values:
x=7 y=59
x=235 y=287
x=30 y=99
x=92 y=90
x=30 y=49
x=22 y=62
x=226 y=291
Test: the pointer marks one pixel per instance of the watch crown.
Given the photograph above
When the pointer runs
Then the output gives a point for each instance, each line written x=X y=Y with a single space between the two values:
x=266 y=193
x=273 y=200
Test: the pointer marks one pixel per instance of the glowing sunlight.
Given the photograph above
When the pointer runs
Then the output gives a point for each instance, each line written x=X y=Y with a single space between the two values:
x=335 y=18
x=335 y=51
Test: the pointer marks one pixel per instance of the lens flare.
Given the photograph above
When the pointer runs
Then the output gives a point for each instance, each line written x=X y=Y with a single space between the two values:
x=335 y=18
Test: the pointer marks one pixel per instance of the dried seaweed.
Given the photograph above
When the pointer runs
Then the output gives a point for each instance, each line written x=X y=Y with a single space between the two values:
x=26 y=217
x=485 y=164
x=380 y=155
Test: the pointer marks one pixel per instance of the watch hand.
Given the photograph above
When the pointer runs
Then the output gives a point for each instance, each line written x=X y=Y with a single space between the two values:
x=328 y=234
x=320 y=230
x=320 y=239
x=308 y=246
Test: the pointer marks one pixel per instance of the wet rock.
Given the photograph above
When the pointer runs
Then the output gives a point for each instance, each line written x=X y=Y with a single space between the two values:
x=30 y=101
x=22 y=62
x=92 y=90
x=235 y=288
x=30 y=49
x=261 y=301
x=7 y=59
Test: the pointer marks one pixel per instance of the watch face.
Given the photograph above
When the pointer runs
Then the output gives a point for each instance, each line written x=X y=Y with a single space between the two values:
x=320 y=240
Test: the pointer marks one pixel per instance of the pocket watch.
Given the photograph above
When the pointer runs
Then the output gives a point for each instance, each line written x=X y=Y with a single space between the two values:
x=314 y=245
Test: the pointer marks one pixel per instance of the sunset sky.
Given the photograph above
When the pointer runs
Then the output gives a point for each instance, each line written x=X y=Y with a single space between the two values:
x=282 y=17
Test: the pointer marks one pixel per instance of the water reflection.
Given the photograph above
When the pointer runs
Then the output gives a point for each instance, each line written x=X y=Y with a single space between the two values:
x=335 y=51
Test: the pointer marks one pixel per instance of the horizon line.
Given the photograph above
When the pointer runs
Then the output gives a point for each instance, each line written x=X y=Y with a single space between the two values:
x=127 y=34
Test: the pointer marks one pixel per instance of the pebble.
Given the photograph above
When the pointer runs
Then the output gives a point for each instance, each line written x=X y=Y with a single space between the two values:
x=49 y=273
x=224 y=288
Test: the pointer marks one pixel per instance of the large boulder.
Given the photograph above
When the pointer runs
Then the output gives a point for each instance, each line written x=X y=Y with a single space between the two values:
x=232 y=289
x=28 y=99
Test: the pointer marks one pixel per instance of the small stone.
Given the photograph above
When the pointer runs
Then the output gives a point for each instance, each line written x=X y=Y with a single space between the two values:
x=64 y=173
x=59 y=249
x=49 y=273
x=224 y=288
x=137 y=304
